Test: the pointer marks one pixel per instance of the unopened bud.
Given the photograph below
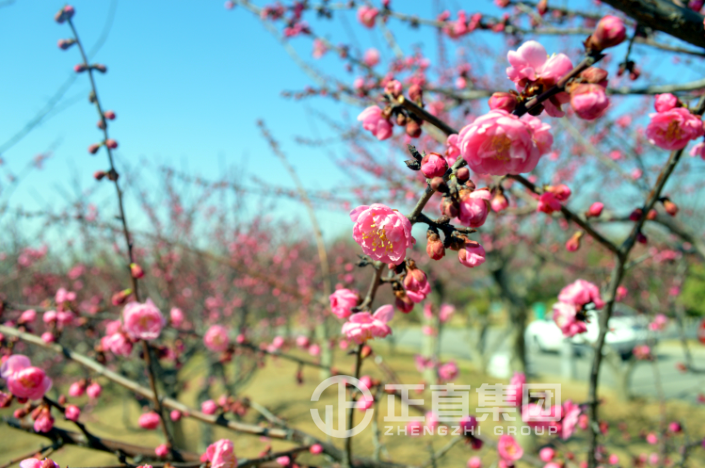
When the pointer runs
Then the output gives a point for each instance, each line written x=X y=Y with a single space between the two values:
x=439 y=185
x=595 y=210
x=110 y=143
x=651 y=215
x=463 y=175
x=573 y=243
x=433 y=165
x=401 y=119
x=101 y=125
x=80 y=68
x=365 y=351
x=670 y=207
x=394 y=88
x=595 y=75
x=503 y=101
x=99 y=67
x=413 y=164
x=120 y=297
x=434 y=247
x=113 y=175
x=542 y=7
x=98 y=175
x=136 y=271
x=65 y=14
x=610 y=31
x=402 y=302
x=110 y=115
x=65 y=43
x=415 y=93
x=450 y=207
x=641 y=238
x=93 y=149
x=413 y=128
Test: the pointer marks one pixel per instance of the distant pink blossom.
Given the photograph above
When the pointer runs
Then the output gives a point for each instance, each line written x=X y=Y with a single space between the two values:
x=342 y=302
x=216 y=338
x=176 y=316
x=595 y=210
x=36 y=463
x=500 y=143
x=142 y=321
x=44 y=421
x=94 y=390
x=209 y=407
x=149 y=420
x=448 y=372
x=571 y=414
x=384 y=234
x=474 y=462
x=22 y=379
x=363 y=326
x=221 y=454
x=673 y=129
x=546 y=454
x=319 y=48
x=161 y=450
x=581 y=292
x=374 y=122
x=371 y=57
x=509 y=449
x=367 y=16
x=515 y=388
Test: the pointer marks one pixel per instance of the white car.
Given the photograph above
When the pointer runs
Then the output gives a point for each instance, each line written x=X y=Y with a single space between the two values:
x=626 y=330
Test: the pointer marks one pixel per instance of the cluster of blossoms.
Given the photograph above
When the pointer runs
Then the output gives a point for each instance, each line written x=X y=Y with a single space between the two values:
x=26 y=382
x=140 y=321
x=569 y=312
x=673 y=126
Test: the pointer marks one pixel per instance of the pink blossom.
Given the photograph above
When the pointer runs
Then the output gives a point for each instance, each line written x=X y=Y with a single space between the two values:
x=117 y=343
x=531 y=64
x=149 y=420
x=374 y=122
x=472 y=254
x=77 y=389
x=698 y=150
x=314 y=350
x=209 y=407
x=161 y=450
x=621 y=293
x=316 y=449
x=448 y=371
x=474 y=207
x=36 y=463
x=571 y=414
x=62 y=295
x=414 y=428
x=673 y=129
x=610 y=31
x=216 y=338
x=94 y=390
x=72 y=412
x=278 y=342
x=432 y=421
x=143 y=321
x=589 y=101
x=365 y=402
x=302 y=341
x=367 y=15
x=652 y=438
x=503 y=101
x=452 y=148
x=283 y=460
x=176 y=316
x=565 y=316
x=371 y=57
x=474 y=462
x=614 y=459
x=508 y=449
x=416 y=285
x=546 y=454
x=175 y=415
x=595 y=210
x=48 y=337
x=500 y=143
x=384 y=234
x=665 y=102
x=221 y=455
x=342 y=302
x=515 y=388
x=446 y=312
x=22 y=379
x=580 y=293
x=433 y=165
x=319 y=48
x=28 y=316
x=659 y=323
x=468 y=424
x=44 y=422
x=363 y=326
x=548 y=203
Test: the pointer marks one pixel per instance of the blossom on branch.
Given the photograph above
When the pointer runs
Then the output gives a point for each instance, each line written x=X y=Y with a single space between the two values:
x=383 y=233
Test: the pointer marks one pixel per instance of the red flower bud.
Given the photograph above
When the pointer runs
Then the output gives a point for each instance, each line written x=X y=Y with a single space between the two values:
x=80 y=68
x=503 y=101
x=110 y=115
x=99 y=67
x=433 y=165
x=413 y=129
x=415 y=93
x=439 y=185
x=93 y=149
x=120 y=297
x=573 y=243
x=610 y=31
x=463 y=175
x=595 y=210
x=670 y=207
x=136 y=271
x=110 y=143
x=98 y=175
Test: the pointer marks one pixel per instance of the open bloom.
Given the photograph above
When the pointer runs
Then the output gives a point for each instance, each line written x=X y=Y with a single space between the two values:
x=342 y=301
x=364 y=326
x=509 y=449
x=384 y=234
x=221 y=454
x=566 y=318
x=474 y=207
x=367 y=16
x=448 y=371
x=580 y=293
x=143 y=321
x=501 y=143
x=374 y=122
x=673 y=129
x=23 y=380
x=530 y=64
x=216 y=338
x=371 y=57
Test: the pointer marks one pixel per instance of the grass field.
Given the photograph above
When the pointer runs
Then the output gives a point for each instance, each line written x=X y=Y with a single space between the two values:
x=276 y=388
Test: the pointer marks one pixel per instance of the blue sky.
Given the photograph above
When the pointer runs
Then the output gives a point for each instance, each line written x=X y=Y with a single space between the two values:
x=188 y=80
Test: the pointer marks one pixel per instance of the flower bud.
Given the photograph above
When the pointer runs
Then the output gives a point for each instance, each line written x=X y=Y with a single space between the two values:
x=472 y=254
x=365 y=351
x=499 y=202
x=80 y=68
x=503 y=101
x=665 y=102
x=610 y=31
x=401 y=119
x=595 y=210
x=93 y=149
x=589 y=101
x=433 y=165
x=463 y=175
x=641 y=238
x=120 y=297
x=99 y=67
x=595 y=75
x=415 y=93
x=635 y=215
x=651 y=215
x=113 y=175
x=394 y=88
x=65 y=43
x=402 y=302
x=434 y=246
x=100 y=125
x=72 y=412
x=670 y=207
x=413 y=129
x=573 y=243
x=110 y=115
x=65 y=14
x=542 y=7
x=136 y=271
x=439 y=185
x=110 y=143
x=450 y=207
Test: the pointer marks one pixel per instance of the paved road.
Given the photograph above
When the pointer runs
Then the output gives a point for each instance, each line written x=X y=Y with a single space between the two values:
x=454 y=342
